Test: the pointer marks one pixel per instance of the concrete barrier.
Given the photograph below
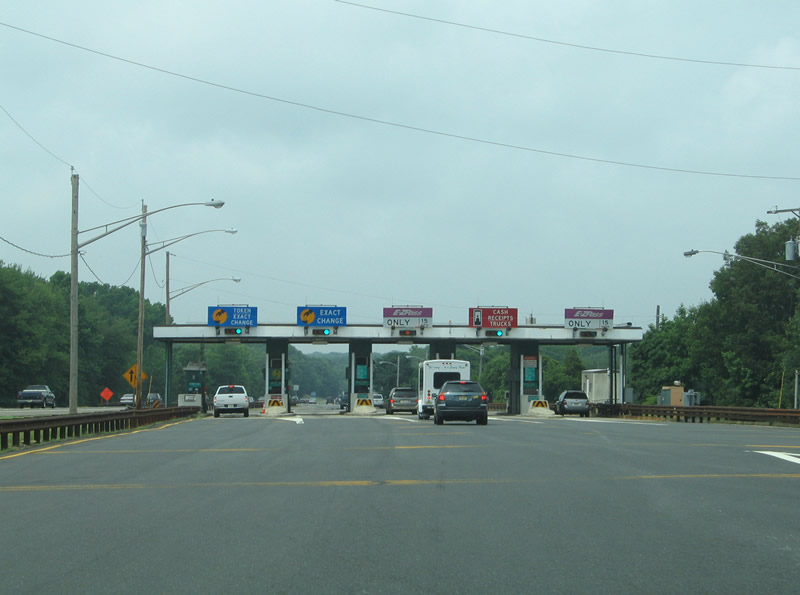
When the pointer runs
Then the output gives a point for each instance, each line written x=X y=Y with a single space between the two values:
x=540 y=409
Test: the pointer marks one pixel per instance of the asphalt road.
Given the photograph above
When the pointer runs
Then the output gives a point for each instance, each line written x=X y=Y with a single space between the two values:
x=392 y=504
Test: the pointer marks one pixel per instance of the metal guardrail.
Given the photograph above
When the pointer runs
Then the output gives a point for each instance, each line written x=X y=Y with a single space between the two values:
x=39 y=430
x=698 y=414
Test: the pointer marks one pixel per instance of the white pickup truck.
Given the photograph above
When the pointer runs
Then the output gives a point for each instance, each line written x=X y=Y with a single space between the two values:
x=231 y=398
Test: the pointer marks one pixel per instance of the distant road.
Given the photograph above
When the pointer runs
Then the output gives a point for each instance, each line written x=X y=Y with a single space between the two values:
x=392 y=504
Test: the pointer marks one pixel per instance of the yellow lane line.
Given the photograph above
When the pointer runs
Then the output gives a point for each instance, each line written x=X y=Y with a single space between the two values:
x=257 y=484
x=356 y=483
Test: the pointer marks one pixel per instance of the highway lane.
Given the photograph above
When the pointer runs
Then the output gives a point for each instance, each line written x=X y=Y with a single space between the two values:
x=392 y=504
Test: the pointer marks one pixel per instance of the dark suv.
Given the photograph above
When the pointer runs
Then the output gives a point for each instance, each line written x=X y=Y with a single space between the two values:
x=401 y=398
x=36 y=395
x=461 y=400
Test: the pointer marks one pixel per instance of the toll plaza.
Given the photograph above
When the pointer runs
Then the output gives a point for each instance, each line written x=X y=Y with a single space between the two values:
x=327 y=325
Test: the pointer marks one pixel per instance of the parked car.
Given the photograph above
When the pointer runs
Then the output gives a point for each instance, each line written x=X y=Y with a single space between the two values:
x=153 y=398
x=401 y=398
x=231 y=398
x=463 y=400
x=377 y=399
x=128 y=400
x=572 y=401
x=36 y=395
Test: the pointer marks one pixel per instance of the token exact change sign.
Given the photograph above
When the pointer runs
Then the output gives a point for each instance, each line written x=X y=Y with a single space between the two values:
x=321 y=316
x=232 y=316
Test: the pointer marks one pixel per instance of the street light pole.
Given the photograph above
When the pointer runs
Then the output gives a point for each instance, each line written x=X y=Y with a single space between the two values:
x=144 y=253
x=73 y=302
x=140 y=334
x=767 y=264
x=76 y=246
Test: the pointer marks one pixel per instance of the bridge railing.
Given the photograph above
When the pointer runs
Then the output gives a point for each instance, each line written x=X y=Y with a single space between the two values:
x=39 y=430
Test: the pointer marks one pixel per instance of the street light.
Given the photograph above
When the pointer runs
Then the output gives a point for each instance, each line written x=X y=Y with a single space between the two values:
x=396 y=365
x=75 y=247
x=179 y=292
x=727 y=256
x=171 y=295
x=145 y=252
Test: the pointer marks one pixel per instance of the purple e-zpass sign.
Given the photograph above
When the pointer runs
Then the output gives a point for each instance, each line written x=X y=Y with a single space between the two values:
x=583 y=318
x=407 y=316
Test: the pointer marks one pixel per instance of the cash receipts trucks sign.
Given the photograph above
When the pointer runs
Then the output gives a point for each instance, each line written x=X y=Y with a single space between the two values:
x=321 y=316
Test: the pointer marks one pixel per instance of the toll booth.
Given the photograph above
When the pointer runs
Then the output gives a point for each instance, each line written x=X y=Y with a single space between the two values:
x=277 y=375
x=359 y=374
x=525 y=377
x=194 y=383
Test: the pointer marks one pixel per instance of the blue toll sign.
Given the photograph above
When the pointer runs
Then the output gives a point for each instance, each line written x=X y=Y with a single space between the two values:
x=321 y=316
x=232 y=316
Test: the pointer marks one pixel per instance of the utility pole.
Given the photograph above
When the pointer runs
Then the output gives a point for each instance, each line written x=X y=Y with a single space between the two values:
x=140 y=334
x=73 y=303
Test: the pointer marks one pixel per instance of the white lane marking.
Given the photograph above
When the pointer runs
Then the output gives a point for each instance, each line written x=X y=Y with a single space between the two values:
x=786 y=456
x=613 y=421
x=298 y=420
x=523 y=421
x=412 y=420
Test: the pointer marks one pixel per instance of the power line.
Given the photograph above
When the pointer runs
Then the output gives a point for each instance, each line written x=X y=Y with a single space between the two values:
x=32 y=252
x=407 y=126
x=567 y=44
x=30 y=136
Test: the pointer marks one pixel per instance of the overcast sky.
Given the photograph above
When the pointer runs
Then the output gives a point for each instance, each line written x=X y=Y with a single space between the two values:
x=458 y=157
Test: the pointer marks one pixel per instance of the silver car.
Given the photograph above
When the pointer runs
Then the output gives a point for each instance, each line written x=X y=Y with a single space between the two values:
x=573 y=401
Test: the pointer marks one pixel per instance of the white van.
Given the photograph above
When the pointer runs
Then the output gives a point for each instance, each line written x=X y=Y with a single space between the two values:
x=433 y=373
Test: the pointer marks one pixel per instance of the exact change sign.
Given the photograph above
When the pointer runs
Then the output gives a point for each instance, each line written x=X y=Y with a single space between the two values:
x=321 y=316
x=232 y=316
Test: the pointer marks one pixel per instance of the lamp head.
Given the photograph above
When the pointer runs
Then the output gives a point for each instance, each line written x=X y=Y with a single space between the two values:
x=217 y=204
x=689 y=253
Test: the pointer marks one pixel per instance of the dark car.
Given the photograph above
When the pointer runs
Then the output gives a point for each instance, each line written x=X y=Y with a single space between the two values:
x=401 y=398
x=572 y=401
x=463 y=400
x=36 y=395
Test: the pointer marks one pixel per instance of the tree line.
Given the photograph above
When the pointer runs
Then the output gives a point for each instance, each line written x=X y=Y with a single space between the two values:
x=740 y=348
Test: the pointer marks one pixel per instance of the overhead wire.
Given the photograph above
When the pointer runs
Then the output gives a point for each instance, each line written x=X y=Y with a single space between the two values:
x=402 y=125
x=568 y=44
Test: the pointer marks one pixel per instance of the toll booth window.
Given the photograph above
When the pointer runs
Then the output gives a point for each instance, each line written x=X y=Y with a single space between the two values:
x=439 y=378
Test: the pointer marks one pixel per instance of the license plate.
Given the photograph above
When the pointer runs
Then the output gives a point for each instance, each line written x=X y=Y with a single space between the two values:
x=464 y=398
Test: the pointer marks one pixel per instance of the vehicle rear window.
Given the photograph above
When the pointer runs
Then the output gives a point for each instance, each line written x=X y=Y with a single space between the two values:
x=576 y=395
x=463 y=387
x=231 y=389
x=439 y=378
x=404 y=393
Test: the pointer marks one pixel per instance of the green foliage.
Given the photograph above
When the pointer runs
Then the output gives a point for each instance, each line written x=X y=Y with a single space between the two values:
x=735 y=348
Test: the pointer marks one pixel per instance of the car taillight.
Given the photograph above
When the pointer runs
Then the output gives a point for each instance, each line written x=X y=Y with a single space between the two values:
x=441 y=396
x=484 y=397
